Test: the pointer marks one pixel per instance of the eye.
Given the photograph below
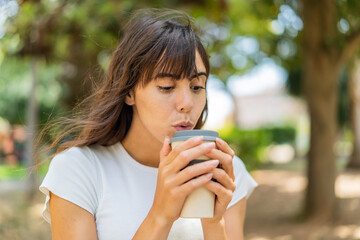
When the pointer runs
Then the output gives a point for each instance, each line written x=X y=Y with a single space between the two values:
x=197 y=88
x=165 y=89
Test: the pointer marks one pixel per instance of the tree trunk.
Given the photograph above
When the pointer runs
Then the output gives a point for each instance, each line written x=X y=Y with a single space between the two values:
x=320 y=78
x=354 y=92
x=32 y=119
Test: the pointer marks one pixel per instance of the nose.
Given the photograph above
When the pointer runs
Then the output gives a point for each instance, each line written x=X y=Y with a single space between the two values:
x=184 y=101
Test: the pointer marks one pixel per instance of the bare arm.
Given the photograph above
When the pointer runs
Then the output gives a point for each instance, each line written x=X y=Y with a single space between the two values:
x=69 y=221
x=214 y=230
x=153 y=227
x=234 y=220
x=231 y=227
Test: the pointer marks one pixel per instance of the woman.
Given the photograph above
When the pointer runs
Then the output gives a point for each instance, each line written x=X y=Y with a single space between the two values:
x=118 y=178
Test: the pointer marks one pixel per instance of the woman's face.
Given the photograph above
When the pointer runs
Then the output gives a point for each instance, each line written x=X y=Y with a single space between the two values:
x=166 y=105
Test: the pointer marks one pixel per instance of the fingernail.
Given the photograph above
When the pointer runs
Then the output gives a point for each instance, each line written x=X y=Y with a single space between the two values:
x=198 y=138
x=213 y=162
x=209 y=144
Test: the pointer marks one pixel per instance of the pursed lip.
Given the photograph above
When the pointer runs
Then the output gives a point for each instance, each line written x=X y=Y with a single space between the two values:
x=183 y=125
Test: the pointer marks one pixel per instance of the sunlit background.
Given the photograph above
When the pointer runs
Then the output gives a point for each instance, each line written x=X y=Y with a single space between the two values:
x=51 y=50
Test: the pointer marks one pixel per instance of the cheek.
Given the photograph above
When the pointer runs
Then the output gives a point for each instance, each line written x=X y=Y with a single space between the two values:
x=154 y=108
x=201 y=103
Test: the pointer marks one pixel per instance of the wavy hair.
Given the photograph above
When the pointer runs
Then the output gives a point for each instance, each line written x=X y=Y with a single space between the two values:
x=153 y=40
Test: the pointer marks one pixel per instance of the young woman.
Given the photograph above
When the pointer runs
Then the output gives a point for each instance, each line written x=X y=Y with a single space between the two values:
x=117 y=176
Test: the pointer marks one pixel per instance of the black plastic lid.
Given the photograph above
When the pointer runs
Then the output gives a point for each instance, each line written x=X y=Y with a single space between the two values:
x=186 y=134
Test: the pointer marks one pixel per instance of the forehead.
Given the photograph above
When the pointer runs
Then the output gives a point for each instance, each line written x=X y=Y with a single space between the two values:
x=200 y=66
x=180 y=63
x=181 y=72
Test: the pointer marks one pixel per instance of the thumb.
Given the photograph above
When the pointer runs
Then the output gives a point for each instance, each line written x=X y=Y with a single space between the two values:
x=166 y=148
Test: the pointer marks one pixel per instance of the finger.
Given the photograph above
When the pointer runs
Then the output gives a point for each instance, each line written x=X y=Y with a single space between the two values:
x=223 y=195
x=166 y=148
x=225 y=159
x=195 y=170
x=223 y=146
x=190 y=186
x=224 y=179
x=183 y=158
x=190 y=143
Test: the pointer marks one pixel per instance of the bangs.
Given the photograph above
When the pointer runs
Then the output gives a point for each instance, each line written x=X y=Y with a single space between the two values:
x=176 y=60
x=173 y=53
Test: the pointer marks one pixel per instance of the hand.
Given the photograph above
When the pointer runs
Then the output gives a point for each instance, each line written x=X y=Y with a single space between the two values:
x=175 y=182
x=225 y=186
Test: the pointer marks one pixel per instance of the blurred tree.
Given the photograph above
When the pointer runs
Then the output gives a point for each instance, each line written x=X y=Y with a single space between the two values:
x=314 y=59
x=325 y=50
x=75 y=35
x=239 y=37
x=315 y=49
x=15 y=85
x=354 y=92
x=31 y=123
x=79 y=35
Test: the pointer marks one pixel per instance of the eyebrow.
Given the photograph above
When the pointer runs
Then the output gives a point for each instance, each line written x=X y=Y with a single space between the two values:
x=173 y=76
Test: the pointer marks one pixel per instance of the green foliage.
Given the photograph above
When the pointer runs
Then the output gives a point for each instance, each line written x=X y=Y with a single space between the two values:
x=249 y=144
x=10 y=172
x=224 y=27
x=20 y=172
x=15 y=85
x=82 y=34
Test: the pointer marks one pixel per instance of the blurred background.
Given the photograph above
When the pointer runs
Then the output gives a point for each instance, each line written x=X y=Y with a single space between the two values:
x=284 y=91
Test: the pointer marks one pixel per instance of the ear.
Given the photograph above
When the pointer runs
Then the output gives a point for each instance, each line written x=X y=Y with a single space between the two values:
x=130 y=98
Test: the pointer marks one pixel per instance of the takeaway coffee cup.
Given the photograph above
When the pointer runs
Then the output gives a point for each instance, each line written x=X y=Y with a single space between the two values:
x=199 y=203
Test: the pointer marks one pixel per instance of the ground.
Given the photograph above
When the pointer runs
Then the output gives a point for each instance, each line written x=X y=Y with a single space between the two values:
x=272 y=213
x=274 y=208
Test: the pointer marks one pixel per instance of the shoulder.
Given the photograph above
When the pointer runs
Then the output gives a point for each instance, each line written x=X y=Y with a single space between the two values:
x=74 y=156
x=74 y=163
x=73 y=175
x=74 y=152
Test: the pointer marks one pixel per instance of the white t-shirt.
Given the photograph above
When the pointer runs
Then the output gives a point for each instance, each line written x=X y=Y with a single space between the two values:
x=119 y=191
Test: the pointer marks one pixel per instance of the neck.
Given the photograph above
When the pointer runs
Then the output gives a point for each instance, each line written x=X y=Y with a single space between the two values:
x=142 y=147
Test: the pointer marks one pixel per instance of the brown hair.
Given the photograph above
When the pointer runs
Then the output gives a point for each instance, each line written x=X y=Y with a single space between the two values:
x=154 y=40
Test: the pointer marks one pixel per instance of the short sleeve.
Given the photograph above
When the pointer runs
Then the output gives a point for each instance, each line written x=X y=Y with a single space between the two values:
x=244 y=182
x=72 y=176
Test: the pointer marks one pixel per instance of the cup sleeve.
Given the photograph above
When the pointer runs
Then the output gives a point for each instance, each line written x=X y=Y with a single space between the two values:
x=245 y=184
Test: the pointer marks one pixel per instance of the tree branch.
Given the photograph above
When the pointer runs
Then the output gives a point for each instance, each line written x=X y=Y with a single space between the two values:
x=352 y=44
x=39 y=45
